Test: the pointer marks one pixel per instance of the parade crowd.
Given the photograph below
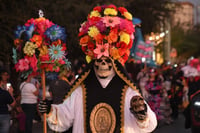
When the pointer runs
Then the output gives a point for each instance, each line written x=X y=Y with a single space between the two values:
x=165 y=88
x=168 y=89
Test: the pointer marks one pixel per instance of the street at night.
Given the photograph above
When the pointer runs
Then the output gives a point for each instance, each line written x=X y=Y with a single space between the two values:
x=176 y=127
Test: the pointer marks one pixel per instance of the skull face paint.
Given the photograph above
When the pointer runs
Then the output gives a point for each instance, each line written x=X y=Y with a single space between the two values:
x=103 y=67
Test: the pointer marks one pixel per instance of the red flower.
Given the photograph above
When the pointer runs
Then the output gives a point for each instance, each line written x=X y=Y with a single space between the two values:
x=44 y=58
x=84 y=48
x=61 y=61
x=93 y=20
x=90 y=46
x=97 y=8
x=130 y=44
x=81 y=33
x=50 y=67
x=29 y=22
x=122 y=10
x=125 y=57
x=122 y=45
x=33 y=62
x=64 y=48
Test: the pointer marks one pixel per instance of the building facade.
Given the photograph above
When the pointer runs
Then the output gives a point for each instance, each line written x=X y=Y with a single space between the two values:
x=183 y=15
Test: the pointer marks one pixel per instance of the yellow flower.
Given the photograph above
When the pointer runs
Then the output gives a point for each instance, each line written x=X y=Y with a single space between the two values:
x=88 y=59
x=114 y=53
x=128 y=16
x=124 y=37
x=95 y=14
x=29 y=48
x=93 y=31
x=43 y=50
x=110 y=11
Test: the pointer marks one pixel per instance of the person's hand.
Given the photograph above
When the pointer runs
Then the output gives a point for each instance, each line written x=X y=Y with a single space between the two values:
x=44 y=106
x=138 y=107
x=10 y=90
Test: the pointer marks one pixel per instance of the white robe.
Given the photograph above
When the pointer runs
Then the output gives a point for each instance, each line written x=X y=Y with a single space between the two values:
x=70 y=113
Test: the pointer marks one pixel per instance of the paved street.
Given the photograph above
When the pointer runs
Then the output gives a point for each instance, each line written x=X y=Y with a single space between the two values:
x=176 y=127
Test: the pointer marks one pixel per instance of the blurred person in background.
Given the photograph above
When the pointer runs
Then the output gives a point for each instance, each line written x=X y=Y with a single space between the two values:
x=142 y=78
x=29 y=97
x=193 y=86
x=6 y=98
x=154 y=90
x=5 y=79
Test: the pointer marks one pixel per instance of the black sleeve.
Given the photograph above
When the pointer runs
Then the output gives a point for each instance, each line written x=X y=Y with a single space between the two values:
x=9 y=98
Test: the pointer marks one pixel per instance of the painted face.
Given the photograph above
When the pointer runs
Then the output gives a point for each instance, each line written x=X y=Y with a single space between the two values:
x=103 y=67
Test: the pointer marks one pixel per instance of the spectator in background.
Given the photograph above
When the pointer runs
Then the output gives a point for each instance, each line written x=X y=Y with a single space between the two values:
x=5 y=79
x=29 y=95
x=6 y=97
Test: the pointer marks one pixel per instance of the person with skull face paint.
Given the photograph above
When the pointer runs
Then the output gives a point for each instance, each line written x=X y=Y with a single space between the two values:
x=103 y=98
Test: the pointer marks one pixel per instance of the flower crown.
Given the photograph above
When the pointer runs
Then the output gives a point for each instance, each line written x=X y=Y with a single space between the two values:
x=109 y=32
x=39 y=44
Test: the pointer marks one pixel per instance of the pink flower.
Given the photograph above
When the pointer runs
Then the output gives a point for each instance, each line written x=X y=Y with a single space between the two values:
x=127 y=26
x=84 y=28
x=102 y=50
x=22 y=65
x=111 y=21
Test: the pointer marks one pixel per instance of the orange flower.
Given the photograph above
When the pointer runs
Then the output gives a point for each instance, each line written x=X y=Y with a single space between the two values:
x=114 y=53
x=99 y=38
x=113 y=36
x=40 y=19
x=37 y=39
x=43 y=50
x=17 y=42
x=84 y=40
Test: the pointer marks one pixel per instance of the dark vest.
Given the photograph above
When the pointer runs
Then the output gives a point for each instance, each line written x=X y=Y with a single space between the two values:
x=111 y=95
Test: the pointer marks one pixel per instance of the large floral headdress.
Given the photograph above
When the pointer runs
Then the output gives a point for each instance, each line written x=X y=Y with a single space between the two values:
x=109 y=32
x=39 y=44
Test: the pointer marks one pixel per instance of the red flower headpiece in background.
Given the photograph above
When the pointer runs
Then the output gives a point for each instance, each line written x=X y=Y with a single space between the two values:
x=109 y=32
